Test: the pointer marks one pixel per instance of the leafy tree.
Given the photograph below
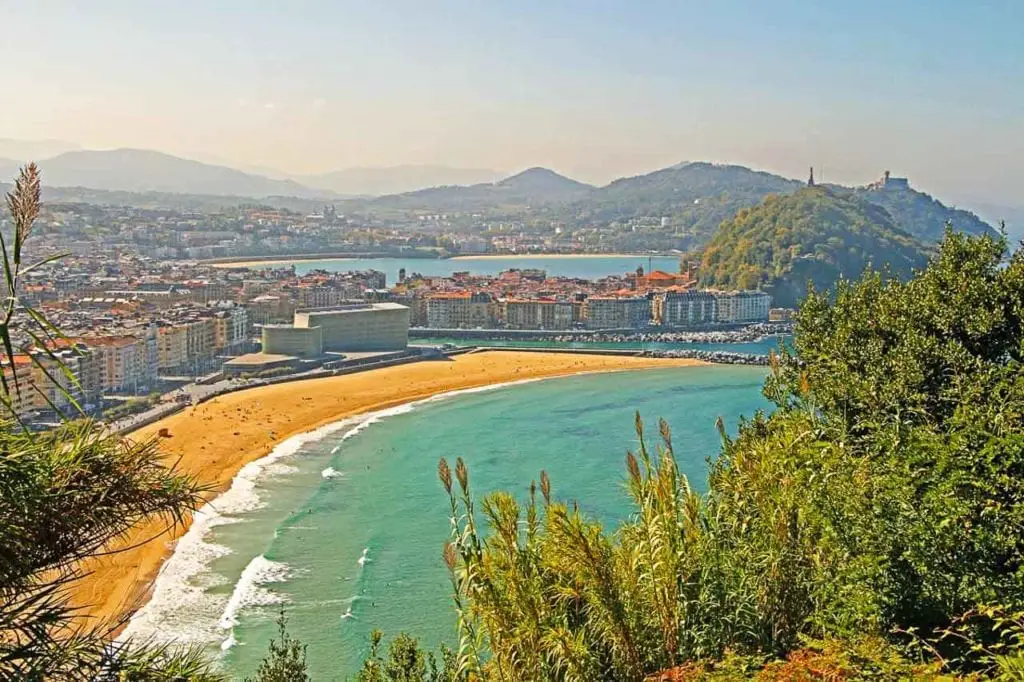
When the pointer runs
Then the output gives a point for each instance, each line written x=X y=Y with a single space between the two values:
x=405 y=662
x=870 y=527
x=286 y=658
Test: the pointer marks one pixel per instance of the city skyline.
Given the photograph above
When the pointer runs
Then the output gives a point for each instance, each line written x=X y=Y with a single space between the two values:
x=592 y=91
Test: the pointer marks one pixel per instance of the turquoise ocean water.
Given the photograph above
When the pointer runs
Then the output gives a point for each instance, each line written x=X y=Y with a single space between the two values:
x=344 y=527
x=589 y=267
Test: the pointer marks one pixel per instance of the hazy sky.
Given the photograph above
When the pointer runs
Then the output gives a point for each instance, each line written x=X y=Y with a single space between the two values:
x=933 y=89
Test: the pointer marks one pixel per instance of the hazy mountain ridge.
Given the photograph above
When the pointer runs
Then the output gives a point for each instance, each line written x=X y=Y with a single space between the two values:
x=22 y=151
x=530 y=187
x=396 y=179
x=694 y=197
x=817 y=235
x=136 y=170
x=923 y=215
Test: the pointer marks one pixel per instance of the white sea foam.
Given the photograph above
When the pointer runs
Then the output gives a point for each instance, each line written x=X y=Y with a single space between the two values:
x=181 y=608
x=331 y=472
x=250 y=590
x=229 y=642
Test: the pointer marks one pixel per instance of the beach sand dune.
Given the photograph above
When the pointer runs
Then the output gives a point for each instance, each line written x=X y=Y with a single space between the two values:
x=213 y=440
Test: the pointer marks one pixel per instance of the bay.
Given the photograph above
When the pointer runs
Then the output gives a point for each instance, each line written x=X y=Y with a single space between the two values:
x=345 y=533
x=584 y=267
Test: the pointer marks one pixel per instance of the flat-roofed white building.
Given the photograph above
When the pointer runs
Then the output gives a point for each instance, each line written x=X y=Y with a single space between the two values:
x=358 y=327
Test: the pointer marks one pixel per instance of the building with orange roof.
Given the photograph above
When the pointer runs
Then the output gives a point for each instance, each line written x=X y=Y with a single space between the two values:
x=127 y=363
x=659 y=279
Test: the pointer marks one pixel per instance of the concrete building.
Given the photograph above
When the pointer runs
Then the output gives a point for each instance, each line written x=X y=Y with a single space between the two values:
x=461 y=310
x=118 y=360
x=289 y=340
x=538 y=314
x=199 y=335
x=172 y=346
x=359 y=327
x=20 y=396
x=45 y=382
x=733 y=307
x=230 y=329
x=617 y=312
x=269 y=309
x=686 y=308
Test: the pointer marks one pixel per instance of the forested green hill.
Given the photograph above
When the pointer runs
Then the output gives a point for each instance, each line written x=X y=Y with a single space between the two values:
x=813 y=235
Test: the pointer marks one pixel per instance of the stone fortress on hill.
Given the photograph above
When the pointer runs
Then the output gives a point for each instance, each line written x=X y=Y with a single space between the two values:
x=887 y=181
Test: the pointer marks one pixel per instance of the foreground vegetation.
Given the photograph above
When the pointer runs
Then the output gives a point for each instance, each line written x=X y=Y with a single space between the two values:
x=65 y=496
x=870 y=527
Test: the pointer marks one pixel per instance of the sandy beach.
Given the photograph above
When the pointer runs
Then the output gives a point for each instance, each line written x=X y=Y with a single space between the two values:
x=214 y=440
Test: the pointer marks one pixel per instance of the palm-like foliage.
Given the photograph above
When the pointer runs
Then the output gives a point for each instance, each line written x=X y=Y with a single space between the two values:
x=880 y=503
x=548 y=595
x=67 y=495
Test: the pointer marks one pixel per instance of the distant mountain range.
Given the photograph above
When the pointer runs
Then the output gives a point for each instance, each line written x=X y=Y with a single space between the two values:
x=26 y=150
x=531 y=187
x=395 y=179
x=693 y=198
x=138 y=170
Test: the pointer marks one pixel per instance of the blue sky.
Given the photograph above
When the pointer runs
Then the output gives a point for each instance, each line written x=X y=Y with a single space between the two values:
x=933 y=90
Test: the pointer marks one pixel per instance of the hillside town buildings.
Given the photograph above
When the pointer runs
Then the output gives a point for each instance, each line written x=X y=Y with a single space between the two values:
x=136 y=316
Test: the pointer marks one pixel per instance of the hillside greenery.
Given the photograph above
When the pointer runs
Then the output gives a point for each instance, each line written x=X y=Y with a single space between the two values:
x=695 y=198
x=868 y=527
x=922 y=215
x=816 y=235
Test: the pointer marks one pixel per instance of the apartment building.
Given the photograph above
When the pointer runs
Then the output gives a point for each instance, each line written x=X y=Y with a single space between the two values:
x=117 y=358
x=538 y=314
x=124 y=363
x=230 y=329
x=617 y=312
x=321 y=296
x=270 y=308
x=19 y=393
x=461 y=310
x=686 y=308
x=199 y=338
x=733 y=307
x=172 y=346
x=42 y=381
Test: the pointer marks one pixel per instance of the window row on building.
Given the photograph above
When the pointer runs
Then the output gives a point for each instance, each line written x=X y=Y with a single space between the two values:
x=675 y=309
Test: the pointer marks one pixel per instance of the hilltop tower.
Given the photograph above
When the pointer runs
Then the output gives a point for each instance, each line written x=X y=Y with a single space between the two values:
x=810 y=180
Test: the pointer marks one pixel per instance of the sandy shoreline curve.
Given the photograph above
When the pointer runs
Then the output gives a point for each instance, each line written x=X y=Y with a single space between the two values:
x=214 y=440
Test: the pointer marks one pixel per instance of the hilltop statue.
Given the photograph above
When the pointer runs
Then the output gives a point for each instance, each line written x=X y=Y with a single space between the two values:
x=810 y=180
